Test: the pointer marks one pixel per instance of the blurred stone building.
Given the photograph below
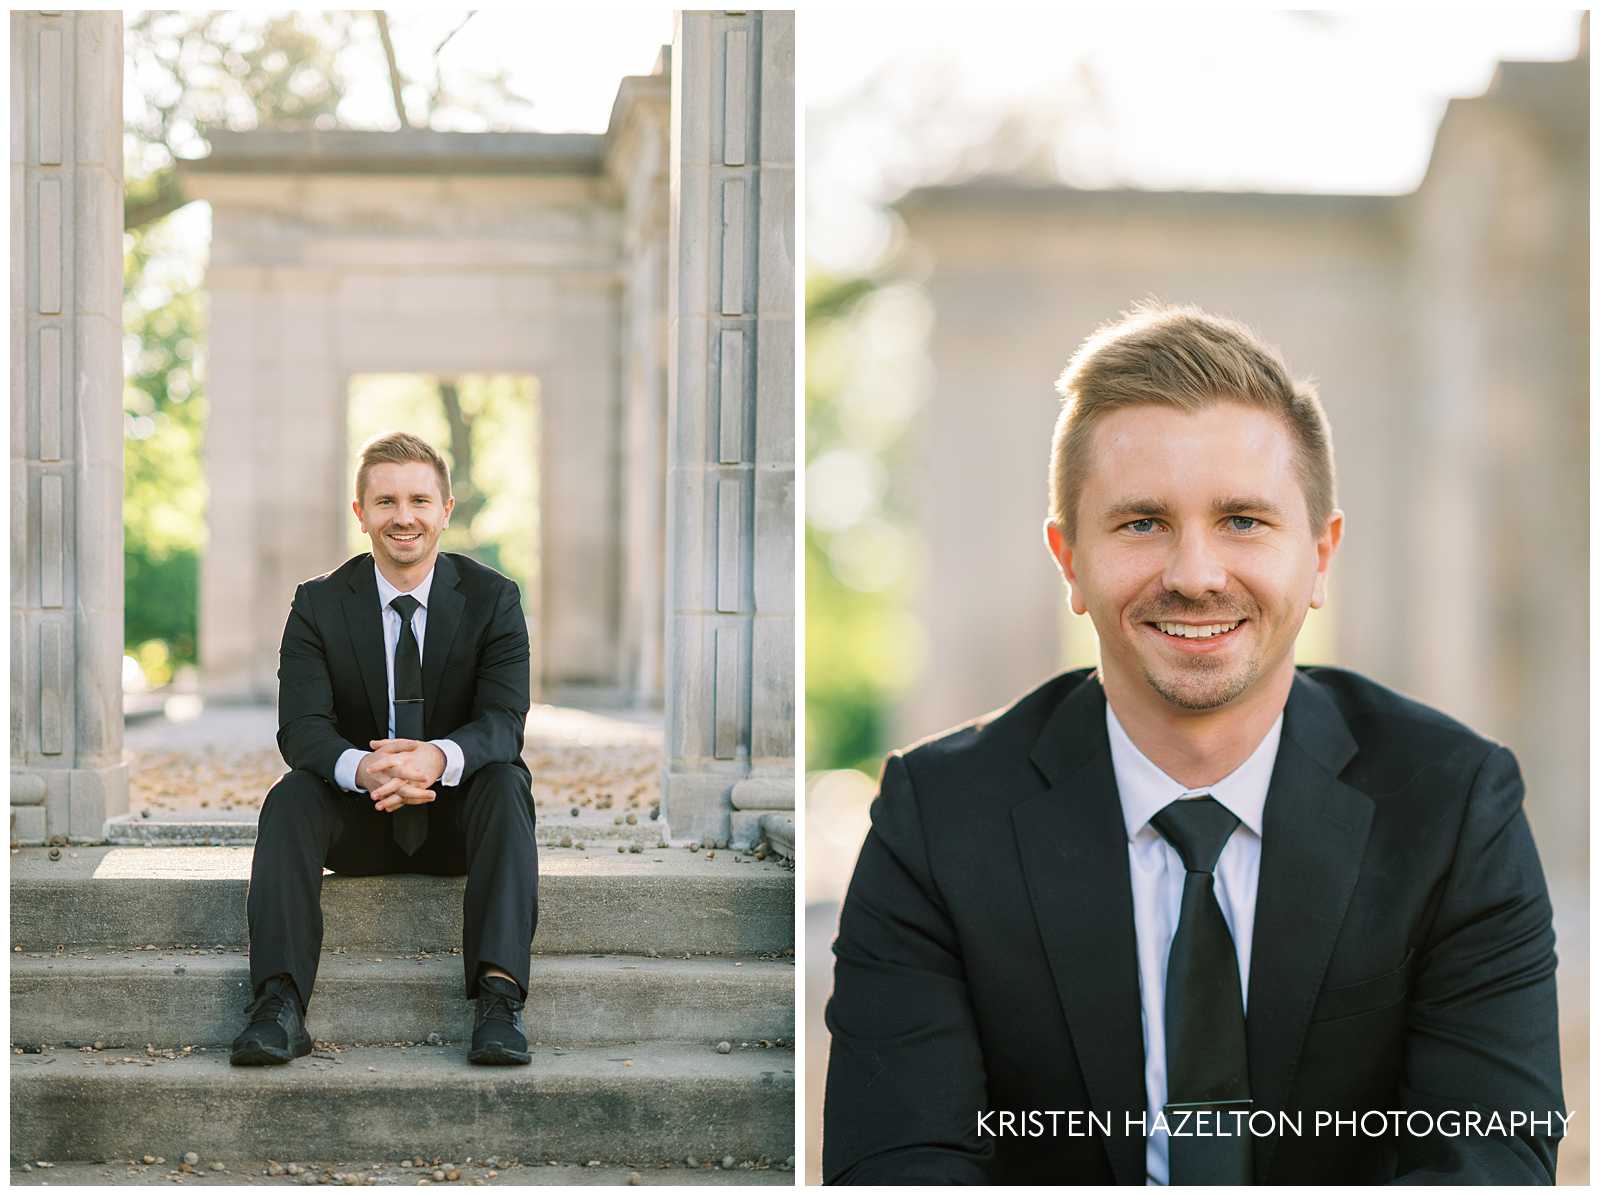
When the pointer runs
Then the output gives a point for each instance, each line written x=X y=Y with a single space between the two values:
x=1447 y=330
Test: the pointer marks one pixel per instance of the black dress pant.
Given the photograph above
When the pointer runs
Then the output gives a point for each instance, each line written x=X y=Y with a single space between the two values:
x=482 y=829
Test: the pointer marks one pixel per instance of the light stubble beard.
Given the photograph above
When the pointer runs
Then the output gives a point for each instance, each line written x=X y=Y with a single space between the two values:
x=1210 y=692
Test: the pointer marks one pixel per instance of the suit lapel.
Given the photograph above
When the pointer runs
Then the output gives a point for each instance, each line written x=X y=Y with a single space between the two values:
x=1074 y=855
x=1314 y=834
x=445 y=604
x=364 y=618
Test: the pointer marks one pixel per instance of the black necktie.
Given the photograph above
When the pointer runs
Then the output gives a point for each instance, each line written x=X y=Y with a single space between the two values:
x=1206 y=1061
x=410 y=822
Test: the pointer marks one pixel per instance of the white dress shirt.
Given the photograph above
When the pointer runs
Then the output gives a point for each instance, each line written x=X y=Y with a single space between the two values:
x=344 y=772
x=1157 y=872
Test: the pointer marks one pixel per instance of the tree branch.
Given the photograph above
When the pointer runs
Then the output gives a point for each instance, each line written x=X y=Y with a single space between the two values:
x=396 y=82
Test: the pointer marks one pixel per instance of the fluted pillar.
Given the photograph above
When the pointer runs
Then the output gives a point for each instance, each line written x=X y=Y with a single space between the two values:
x=67 y=767
x=730 y=437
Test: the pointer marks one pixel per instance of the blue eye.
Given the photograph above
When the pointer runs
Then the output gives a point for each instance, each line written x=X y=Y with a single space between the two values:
x=1243 y=523
x=1141 y=527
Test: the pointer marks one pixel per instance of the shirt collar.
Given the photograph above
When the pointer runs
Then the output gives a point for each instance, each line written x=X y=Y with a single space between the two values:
x=1145 y=790
x=387 y=593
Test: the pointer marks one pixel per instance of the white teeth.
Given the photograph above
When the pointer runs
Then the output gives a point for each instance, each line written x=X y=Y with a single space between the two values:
x=1185 y=631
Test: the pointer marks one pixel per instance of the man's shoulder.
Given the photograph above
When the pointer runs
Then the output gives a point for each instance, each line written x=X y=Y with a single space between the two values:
x=339 y=578
x=995 y=743
x=1387 y=724
x=466 y=573
x=474 y=574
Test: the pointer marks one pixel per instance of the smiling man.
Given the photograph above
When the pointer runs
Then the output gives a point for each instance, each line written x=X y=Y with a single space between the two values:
x=402 y=699
x=1196 y=916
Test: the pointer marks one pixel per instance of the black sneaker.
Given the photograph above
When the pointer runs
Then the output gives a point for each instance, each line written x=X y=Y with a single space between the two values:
x=277 y=1029
x=498 y=1035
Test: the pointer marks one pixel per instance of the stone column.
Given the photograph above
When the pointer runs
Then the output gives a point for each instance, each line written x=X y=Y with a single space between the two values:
x=636 y=161
x=68 y=772
x=278 y=484
x=730 y=445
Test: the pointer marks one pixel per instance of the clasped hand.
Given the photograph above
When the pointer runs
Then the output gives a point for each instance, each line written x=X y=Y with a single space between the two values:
x=397 y=772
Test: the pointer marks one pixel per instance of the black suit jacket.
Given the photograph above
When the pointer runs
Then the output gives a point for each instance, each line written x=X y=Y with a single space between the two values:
x=333 y=686
x=1403 y=956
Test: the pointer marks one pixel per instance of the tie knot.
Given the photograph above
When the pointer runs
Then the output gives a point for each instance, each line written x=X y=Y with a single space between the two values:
x=406 y=605
x=1197 y=828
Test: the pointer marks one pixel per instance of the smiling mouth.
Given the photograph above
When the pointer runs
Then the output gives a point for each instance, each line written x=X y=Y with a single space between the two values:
x=1196 y=631
x=411 y=539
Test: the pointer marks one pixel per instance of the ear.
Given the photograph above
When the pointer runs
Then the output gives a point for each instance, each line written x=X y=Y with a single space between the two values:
x=1056 y=540
x=449 y=505
x=1327 y=545
x=355 y=505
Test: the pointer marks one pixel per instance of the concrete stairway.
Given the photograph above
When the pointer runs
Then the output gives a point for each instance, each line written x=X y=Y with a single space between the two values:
x=129 y=978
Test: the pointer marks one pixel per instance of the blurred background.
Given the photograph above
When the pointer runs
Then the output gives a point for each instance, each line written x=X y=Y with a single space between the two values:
x=1399 y=202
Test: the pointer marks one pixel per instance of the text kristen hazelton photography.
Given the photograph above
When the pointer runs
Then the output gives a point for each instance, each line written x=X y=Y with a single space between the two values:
x=403 y=770
x=1198 y=416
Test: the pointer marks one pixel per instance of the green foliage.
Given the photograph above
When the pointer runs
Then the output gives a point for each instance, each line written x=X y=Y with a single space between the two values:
x=862 y=646
x=163 y=404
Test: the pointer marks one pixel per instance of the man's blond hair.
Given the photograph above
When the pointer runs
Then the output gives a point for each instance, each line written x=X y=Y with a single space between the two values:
x=396 y=448
x=1185 y=358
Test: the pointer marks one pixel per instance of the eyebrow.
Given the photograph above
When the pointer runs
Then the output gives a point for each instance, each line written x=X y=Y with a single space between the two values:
x=1155 y=508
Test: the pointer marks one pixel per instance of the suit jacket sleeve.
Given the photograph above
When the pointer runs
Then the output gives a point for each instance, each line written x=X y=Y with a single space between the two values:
x=495 y=731
x=905 y=1071
x=307 y=735
x=1482 y=1032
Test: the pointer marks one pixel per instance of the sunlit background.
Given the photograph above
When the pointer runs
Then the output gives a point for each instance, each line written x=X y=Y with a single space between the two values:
x=982 y=193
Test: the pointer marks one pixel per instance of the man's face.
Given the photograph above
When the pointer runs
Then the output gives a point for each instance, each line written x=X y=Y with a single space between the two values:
x=403 y=512
x=1194 y=555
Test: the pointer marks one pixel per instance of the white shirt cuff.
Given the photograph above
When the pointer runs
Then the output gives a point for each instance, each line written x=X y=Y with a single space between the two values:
x=344 y=772
x=454 y=761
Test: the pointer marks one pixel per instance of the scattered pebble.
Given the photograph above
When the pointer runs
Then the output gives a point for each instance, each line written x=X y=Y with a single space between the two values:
x=190 y=1157
x=724 y=1047
x=634 y=1179
x=727 y=1162
x=438 y=1177
x=633 y=820
x=55 y=853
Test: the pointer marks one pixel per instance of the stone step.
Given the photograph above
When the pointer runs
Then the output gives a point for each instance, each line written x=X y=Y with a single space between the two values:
x=176 y=998
x=637 y=1105
x=131 y=830
x=389 y=1172
x=666 y=901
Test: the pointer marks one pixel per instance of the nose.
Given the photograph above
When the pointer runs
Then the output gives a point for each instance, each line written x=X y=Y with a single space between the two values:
x=1193 y=568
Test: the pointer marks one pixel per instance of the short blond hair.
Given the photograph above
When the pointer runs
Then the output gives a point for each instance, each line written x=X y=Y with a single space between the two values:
x=396 y=448
x=1188 y=359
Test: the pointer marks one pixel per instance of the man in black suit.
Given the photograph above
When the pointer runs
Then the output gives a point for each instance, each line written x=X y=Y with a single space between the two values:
x=384 y=652
x=1196 y=916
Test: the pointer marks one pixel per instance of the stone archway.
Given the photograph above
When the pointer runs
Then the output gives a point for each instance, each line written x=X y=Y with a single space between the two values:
x=434 y=253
